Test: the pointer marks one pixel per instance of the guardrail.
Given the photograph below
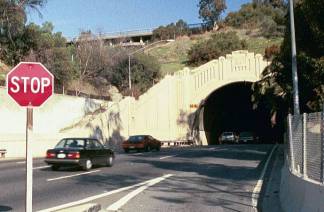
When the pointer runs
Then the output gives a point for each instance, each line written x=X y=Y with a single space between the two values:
x=176 y=143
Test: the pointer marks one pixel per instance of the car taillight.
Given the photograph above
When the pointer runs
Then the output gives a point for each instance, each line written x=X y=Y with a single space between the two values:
x=50 y=155
x=74 y=155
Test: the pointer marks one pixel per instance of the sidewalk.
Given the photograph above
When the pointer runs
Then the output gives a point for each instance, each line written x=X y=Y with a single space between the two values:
x=271 y=200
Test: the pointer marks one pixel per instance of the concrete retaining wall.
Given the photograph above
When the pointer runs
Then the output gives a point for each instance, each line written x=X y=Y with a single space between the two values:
x=299 y=195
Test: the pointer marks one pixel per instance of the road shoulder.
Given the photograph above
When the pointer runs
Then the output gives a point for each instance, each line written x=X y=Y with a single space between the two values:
x=270 y=200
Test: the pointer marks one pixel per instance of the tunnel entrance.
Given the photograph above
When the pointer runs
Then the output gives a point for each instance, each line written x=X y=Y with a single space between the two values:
x=230 y=108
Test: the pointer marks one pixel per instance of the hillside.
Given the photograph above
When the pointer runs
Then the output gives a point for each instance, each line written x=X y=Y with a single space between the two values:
x=173 y=56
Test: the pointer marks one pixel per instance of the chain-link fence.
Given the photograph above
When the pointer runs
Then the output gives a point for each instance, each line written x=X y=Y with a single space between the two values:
x=305 y=145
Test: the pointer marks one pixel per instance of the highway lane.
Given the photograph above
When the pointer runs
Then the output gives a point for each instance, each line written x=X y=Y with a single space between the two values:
x=201 y=179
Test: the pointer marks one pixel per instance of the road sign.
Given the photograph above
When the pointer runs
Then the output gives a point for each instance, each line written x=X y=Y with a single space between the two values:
x=30 y=84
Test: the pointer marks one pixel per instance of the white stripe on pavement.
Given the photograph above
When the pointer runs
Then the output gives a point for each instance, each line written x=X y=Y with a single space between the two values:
x=74 y=175
x=258 y=186
x=88 y=199
x=21 y=162
x=120 y=203
x=138 y=154
x=42 y=167
x=170 y=156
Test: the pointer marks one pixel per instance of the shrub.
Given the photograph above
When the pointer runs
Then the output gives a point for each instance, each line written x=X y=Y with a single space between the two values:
x=271 y=51
x=219 y=44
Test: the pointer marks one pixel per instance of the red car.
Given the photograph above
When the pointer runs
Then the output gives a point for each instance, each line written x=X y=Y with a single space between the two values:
x=141 y=142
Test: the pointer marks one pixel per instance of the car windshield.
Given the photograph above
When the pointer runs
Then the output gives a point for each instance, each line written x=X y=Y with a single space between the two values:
x=137 y=138
x=70 y=143
x=227 y=133
x=245 y=134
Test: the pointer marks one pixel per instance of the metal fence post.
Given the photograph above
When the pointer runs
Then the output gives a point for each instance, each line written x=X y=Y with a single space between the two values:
x=322 y=143
x=305 y=145
x=292 y=157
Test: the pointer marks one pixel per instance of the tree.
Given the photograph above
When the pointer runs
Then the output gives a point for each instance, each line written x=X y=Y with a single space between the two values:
x=12 y=28
x=50 y=49
x=275 y=89
x=274 y=3
x=145 y=70
x=91 y=58
x=210 y=10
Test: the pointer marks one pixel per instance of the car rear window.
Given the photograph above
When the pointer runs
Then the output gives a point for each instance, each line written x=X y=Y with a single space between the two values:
x=71 y=143
x=136 y=138
x=245 y=134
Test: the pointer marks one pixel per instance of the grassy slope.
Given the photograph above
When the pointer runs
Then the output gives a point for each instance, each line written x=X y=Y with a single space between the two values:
x=173 y=56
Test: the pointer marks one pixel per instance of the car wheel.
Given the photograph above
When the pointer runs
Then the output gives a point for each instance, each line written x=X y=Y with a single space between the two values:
x=55 y=167
x=126 y=150
x=110 y=161
x=87 y=165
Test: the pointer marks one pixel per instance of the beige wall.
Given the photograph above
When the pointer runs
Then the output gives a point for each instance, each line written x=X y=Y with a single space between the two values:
x=163 y=111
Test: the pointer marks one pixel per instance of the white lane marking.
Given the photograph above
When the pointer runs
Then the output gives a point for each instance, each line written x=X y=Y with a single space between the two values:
x=165 y=157
x=88 y=199
x=21 y=162
x=73 y=175
x=138 y=154
x=258 y=186
x=120 y=203
x=42 y=167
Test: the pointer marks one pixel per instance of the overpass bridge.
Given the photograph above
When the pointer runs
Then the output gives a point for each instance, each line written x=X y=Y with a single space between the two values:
x=136 y=37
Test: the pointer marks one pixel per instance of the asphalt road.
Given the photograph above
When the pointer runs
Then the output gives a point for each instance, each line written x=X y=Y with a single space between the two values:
x=219 y=178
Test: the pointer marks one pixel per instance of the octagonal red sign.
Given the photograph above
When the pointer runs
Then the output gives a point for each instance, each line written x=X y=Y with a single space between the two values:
x=30 y=84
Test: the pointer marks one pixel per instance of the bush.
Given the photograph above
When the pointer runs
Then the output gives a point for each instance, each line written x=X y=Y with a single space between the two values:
x=270 y=20
x=219 y=44
x=271 y=52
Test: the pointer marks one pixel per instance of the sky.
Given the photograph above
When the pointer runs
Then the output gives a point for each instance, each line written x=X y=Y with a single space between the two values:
x=73 y=16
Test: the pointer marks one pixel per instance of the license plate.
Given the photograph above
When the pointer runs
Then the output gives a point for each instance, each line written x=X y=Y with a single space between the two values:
x=131 y=147
x=61 y=155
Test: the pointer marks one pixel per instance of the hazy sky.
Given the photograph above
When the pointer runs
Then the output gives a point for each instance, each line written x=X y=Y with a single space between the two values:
x=72 y=16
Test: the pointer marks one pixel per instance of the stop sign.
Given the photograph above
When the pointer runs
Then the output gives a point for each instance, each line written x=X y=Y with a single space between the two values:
x=30 y=84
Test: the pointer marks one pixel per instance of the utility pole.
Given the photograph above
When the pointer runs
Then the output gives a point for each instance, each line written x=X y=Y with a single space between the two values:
x=294 y=59
x=129 y=73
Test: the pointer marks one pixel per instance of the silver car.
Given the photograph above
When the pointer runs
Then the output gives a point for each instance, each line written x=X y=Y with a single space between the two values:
x=228 y=137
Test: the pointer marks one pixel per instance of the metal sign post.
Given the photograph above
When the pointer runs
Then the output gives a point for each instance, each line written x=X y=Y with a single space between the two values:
x=29 y=161
x=30 y=85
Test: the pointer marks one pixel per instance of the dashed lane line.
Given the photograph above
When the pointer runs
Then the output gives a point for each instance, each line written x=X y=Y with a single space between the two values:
x=73 y=175
x=169 y=156
x=42 y=167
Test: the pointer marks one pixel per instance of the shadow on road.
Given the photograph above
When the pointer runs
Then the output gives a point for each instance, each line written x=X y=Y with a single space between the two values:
x=5 y=208
x=220 y=177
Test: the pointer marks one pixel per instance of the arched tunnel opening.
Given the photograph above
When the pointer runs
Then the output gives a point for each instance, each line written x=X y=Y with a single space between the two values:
x=230 y=108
